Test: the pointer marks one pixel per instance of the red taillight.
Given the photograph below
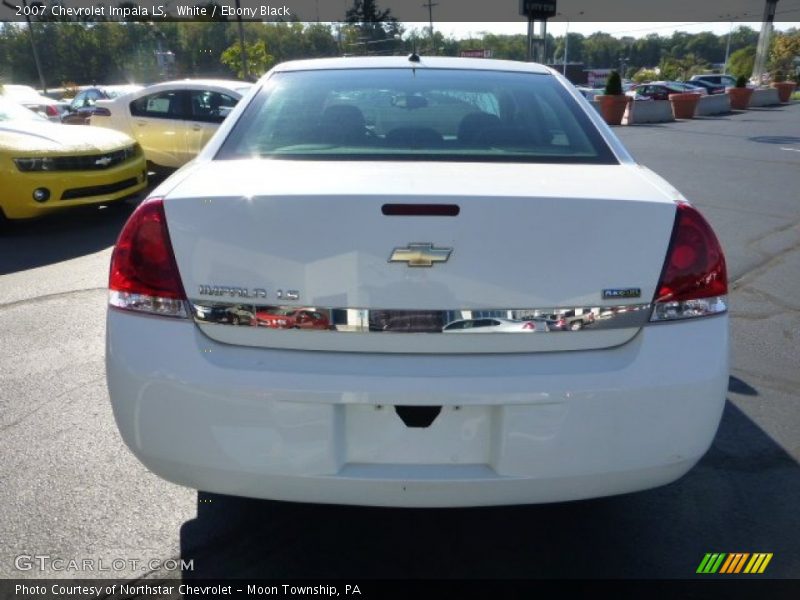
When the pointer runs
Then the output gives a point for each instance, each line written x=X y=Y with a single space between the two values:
x=529 y=325
x=51 y=110
x=144 y=276
x=693 y=280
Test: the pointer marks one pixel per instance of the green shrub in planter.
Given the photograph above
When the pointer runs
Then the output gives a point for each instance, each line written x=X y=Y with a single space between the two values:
x=740 y=94
x=614 y=84
x=785 y=88
x=613 y=103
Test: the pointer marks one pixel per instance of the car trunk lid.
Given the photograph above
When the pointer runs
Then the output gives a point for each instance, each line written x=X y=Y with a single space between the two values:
x=527 y=240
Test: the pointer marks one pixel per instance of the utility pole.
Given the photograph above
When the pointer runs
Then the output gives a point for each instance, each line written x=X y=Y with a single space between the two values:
x=242 y=48
x=430 y=4
x=529 y=45
x=33 y=43
x=543 y=35
x=727 y=49
x=763 y=41
x=566 y=44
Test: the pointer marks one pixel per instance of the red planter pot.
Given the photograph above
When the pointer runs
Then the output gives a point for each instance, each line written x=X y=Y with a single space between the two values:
x=740 y=97
x=613 y=108
x=785 y=89
x=684 y=105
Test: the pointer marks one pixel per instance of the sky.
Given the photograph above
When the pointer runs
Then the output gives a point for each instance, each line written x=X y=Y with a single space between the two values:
x=633 y=29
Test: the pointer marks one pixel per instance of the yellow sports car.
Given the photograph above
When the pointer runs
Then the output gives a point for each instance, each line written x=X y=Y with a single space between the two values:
x=46 y=166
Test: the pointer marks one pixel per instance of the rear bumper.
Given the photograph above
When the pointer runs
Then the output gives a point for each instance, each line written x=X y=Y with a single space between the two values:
x=321 y=427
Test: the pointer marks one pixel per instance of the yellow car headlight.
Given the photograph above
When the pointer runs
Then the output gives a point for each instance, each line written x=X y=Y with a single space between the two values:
x=34 y=164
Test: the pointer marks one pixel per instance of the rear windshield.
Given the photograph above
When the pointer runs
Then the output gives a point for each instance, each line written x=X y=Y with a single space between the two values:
x=415 y=114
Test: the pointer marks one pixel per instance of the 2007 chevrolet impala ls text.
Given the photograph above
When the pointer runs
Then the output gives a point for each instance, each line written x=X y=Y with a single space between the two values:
x=384 y=204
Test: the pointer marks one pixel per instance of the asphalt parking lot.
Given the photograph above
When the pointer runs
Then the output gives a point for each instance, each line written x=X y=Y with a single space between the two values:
x=69 y=488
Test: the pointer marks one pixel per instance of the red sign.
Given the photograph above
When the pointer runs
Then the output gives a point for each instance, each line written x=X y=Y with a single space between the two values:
x=476 y=53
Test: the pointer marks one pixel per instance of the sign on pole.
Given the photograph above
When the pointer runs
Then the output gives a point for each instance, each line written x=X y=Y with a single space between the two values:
x=537 y=9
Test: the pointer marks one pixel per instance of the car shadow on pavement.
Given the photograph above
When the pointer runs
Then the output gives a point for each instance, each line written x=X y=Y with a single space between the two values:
x=61 y=236
x=66 y=234
x=739 y=498
x=738 y=386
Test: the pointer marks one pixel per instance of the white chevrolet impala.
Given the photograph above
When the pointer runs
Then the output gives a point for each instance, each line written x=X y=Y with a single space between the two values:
x=278 y=311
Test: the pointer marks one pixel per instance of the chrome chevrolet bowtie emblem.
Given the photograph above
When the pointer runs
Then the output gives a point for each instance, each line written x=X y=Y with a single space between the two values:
x=420 y=255
x=103 y=162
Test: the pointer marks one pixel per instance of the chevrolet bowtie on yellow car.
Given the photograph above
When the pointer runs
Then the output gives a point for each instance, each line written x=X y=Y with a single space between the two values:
x=45 y=166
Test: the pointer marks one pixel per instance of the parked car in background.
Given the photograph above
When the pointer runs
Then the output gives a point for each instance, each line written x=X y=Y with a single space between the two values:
x=569 y=320
x=173 y=120
x=715 y=78
x=33 y=100
x=240 y=314
x=658 y=90
x=292 y=318
x=711 y=88
x=689 y=87
x=334 y=179
x=576 y=321
x=555 y=323
x=47 y=166
x=494 y=324
x=222 y=313
x=83 y=104
x=588 y=92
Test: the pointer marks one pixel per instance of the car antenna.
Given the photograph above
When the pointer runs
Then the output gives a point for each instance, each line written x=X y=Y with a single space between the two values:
x=413 y=57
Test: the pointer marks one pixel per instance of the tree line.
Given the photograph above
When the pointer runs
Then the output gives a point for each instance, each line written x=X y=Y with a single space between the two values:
x=78 y=53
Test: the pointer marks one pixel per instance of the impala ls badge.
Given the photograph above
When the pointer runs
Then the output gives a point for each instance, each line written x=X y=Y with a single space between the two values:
x=420 y=255
x=622 y=293
x=207 y=289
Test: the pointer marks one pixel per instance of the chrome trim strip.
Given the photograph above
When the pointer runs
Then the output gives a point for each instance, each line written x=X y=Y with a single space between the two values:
x=462 y=321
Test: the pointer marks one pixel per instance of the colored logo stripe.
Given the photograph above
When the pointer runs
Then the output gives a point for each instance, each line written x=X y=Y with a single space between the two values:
x=720 y=562
x=734 y=563
x=711 y=562
x=758 y=563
